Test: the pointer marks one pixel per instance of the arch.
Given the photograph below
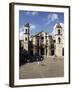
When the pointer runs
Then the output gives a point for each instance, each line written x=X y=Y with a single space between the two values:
x=59 y=31
x=26 y=31
x=59 y=40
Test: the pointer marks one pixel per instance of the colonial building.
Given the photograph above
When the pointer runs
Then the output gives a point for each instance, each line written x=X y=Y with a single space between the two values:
x=42 y=43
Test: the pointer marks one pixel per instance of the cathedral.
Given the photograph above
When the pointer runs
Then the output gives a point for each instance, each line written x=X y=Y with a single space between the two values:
x=42 y=43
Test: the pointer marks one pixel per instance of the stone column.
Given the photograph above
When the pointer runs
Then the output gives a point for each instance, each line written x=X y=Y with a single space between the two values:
x=34 y=51
x=45 y=51
x=48 y=51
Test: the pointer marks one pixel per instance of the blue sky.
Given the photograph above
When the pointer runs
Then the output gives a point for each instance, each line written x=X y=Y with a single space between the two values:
x=40 y=21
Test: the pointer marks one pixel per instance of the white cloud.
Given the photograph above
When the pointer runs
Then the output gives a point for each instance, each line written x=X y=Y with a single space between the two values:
x=28 y=13
x=51 y=18
x=32 y=26
x=31 y=13
x=54 y=17
x=32 y=29
x=21 y=36
x=21 y=31
x=34 y=13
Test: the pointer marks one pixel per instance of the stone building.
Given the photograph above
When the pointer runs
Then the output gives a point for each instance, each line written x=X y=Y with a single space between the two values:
x=42 y=43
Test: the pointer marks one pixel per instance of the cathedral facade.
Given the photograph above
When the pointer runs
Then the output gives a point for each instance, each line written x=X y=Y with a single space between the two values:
x=43 y=43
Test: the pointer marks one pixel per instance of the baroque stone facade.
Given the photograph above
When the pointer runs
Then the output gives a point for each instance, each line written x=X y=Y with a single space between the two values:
x=42 y=43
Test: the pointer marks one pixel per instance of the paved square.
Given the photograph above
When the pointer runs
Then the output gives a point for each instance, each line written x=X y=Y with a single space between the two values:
x=49 y=67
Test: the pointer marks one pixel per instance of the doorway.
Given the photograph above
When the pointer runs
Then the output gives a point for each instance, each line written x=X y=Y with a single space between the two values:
x=52 y=52
x=31 y=52
x=42 y=51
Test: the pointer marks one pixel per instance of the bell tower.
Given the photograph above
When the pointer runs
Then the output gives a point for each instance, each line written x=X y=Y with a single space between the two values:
x=26 y=36
x=58 y=39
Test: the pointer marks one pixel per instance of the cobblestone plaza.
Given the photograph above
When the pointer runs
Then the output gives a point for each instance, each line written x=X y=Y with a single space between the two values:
x=49 y=67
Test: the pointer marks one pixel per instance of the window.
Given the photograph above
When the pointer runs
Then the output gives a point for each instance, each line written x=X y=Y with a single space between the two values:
x=42 y=37
x=59 y=31
x=59 y=39
x=54 y=41
x=25 y=39
x=26 y=31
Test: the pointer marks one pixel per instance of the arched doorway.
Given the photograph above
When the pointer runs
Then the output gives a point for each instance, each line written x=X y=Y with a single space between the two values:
x=52 y=52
